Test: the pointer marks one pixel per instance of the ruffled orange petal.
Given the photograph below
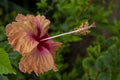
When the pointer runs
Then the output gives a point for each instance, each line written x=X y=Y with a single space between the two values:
x=41 y=20
x=44 y=23
x=21 y=17
x=21 y=36
x=39 y=61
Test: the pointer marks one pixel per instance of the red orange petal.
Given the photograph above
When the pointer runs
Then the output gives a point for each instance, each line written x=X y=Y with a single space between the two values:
x=21 y=36
x=39 y=61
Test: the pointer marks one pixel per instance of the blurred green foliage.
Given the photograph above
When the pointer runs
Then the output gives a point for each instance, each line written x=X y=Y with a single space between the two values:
x=101 y=59
x=103 y=64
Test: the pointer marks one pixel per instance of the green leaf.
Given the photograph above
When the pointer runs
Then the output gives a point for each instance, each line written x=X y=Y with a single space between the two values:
x=93 y=73
x=42 y=4
x=5 y=65
x=107 y=60
x=14 y=58
x=94 y=51
x=104 y=76
x=88 y=63
x=99 y=63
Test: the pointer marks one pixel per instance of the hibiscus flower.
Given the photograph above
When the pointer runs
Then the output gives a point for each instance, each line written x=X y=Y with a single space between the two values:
x=29 y=36
x=25 y=36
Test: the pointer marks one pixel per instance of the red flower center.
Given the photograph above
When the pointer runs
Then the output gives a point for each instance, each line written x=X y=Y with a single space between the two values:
x=39 y=38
